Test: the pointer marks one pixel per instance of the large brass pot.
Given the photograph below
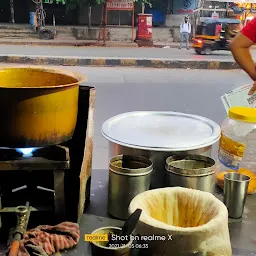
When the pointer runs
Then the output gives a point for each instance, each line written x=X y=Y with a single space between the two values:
x=38 y=106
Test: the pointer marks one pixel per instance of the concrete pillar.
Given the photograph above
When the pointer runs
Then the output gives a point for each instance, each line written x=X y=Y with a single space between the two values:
x=173 y=20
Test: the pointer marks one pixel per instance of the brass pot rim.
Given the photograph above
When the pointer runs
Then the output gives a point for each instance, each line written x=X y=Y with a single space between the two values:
x=94 y=232
x=79 y=77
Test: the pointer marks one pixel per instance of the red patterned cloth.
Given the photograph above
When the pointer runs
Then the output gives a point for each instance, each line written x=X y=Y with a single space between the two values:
x=46 y=240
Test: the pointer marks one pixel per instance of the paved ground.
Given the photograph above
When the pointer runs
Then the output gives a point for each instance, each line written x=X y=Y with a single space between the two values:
x=143 y=53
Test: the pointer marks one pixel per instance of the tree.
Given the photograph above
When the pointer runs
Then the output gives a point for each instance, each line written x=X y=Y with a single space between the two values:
x=72 y=4
x=143 y=3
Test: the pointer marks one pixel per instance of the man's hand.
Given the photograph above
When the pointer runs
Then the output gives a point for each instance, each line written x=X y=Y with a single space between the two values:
x=253 y=89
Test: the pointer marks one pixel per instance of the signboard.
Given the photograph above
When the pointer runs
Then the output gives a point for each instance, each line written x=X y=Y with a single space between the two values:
x=119 y=5
x=184 y=6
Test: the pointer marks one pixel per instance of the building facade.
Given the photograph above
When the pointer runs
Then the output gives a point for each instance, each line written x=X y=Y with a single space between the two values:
x=165 y=12
x=79 y=15
x=239 y=9
x=22 y=9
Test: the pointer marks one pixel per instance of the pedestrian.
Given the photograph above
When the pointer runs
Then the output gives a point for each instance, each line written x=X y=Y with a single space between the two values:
x=240 y=48
x=185 y=30
x=218 y=30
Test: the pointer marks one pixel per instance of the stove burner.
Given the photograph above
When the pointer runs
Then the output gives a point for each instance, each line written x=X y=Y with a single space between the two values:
x=36 y=175
x=26 y=152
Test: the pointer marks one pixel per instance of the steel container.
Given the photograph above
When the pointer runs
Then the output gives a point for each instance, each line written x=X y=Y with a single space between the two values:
x=158 y=135
x=38 y=106
x=128 y=177
x=193 y=171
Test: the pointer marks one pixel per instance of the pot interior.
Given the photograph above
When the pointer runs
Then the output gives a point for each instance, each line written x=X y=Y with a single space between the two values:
x=191 y=164
x=130 y=164
x=108 y=231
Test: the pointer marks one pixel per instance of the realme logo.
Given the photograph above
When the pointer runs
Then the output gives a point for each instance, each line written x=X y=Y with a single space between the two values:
x=96 y=238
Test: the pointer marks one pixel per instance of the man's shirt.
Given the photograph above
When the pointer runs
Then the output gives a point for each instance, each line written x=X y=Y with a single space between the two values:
x=185 y=28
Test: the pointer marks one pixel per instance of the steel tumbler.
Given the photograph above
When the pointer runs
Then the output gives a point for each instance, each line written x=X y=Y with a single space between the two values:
x=235 y=192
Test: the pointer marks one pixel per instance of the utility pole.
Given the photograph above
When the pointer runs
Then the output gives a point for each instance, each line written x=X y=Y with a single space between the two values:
x=12 y=11
x=143 y=8
x=169 y=7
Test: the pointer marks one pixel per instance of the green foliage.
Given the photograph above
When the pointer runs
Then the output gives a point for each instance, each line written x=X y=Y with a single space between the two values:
x=146 y=2
x=72 y=4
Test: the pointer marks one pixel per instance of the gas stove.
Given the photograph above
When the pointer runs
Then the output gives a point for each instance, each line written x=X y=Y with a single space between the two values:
x=36 y=176
x=53 y=182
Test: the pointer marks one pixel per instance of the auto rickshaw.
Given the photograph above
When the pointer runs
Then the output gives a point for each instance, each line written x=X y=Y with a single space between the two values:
x=214 y=35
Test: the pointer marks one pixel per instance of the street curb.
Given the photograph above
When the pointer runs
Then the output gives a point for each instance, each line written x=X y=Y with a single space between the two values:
x=120 y=62
x=71 y=43
x=89 y=43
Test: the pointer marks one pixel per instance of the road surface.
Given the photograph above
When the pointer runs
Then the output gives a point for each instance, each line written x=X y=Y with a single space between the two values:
x=142 y=53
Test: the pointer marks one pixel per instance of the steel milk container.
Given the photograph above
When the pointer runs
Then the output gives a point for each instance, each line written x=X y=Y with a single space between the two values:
x=191 y=171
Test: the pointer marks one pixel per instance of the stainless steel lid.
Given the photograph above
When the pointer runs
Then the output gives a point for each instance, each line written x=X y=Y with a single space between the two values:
x=161 y=131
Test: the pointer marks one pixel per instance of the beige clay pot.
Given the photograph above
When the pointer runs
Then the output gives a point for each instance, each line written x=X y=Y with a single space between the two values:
x=193 y=222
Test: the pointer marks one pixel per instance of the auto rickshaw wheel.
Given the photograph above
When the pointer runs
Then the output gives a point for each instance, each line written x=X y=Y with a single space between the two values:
x=207 y=50
x=198 y=51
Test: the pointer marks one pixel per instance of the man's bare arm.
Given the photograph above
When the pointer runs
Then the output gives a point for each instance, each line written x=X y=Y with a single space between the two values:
x=240 y=48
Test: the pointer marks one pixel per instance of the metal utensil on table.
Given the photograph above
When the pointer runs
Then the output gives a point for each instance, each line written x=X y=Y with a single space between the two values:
x=99 y=248
x=128 y=227
x=116 y=247
x=128 y=177
x=235 y=192
x=191 y=171
x=23 y=213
